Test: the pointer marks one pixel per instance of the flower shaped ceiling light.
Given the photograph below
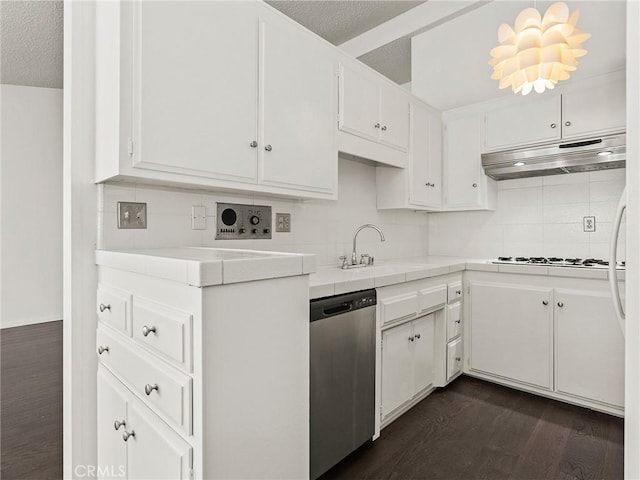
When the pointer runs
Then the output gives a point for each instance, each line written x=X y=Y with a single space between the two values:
x=538 y=52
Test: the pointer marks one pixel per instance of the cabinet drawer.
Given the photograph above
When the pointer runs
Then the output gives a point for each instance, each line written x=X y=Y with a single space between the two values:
x=138 y=370
x=454 y=321
x=455 y=292
x=401 y=307
x=431 y=298
x=164 y=330
x=113 y=308
x=454 y=358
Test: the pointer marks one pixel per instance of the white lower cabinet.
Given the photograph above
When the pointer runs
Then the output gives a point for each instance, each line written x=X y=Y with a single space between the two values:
x=454 y=358
x=512 y=332
x=407 y=362
x=554 y=336
x=589 y=347
x=133 y=442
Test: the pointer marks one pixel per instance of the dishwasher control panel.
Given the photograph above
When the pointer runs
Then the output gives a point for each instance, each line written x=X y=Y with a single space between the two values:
x=237 y=222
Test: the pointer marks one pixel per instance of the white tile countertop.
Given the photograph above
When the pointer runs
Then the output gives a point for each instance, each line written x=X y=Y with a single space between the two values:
x=203 y=267
x=332 y=280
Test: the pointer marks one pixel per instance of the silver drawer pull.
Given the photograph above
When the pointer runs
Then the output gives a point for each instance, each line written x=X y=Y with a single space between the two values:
x=458 y=359
x=417 y=335
x=560 y=304
x=545 y=302
x=457 y=321
x=104 y=307
x=147 y=330
x=411 y=339
x=126 y=435
x=458 y=292
x=148 y=388
x=117 y=424
x=102 y=349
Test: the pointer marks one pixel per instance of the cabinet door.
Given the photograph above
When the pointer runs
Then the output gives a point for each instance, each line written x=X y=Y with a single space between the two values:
x=423 y=353
x=462 y=162
x=298 y=108
x=594 y=110
x=523 y=122
x=454 y=358
x=589 y=347
x=394 y=117
x=426 y=158
x=112 y=407
x=511 y=332
x=359 y=103
x=155 y=451
x=397 y=357
x=196 y=88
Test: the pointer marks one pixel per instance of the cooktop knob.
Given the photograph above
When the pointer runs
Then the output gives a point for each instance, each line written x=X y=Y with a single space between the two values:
x=254 y=231
x=267 y=231
x=254 y=219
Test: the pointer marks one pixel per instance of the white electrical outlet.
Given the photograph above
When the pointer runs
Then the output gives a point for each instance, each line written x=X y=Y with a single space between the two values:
x=198 y=217
x=589 y=224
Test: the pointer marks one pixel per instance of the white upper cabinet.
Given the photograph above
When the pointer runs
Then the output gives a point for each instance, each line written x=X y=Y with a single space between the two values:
x=195 y=98
x=372 y=108
x=466 y=187
x=525 y=121
x=215 y=94
x=572 y=111
x=298 y=89
x=594 y=110
x=418 y=187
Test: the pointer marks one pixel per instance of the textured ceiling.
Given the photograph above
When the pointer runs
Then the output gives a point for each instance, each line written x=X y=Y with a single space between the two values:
x=392 y=60
x=31 y=43
x=342 y=20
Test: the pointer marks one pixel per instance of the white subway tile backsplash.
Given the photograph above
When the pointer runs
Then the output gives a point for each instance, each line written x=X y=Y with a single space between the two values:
x=566 y=213
x=520 y=183
x=567 y=193
x=564 y=179
x=522 y=197
x=603 y=211
x=324 y=228
x=616 y=174
x=607 y=191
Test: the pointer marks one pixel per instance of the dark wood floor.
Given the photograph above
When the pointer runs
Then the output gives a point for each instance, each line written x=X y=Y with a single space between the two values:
x=31 y=402
x=477 y=430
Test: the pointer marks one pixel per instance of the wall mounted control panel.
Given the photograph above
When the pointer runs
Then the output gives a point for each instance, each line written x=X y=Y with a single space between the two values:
x=238 y=222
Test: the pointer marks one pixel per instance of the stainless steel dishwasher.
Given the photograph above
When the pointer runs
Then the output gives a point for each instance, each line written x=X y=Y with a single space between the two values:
x=342 y=351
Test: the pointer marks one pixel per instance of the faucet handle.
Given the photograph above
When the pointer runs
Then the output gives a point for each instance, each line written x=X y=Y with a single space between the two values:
x=344 y=261
x=365 y=259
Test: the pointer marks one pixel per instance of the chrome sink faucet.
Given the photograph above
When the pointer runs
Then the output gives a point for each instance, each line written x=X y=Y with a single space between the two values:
x=366 y=259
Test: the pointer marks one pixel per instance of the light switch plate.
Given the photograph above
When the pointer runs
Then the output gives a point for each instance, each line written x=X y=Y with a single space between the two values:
x=198 y=217
x=589 y=224
x=283 y=222
x=132 y=215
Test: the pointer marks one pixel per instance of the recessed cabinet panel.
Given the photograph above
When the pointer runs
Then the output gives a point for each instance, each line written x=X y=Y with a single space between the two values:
x=426 y=158
x=400 y=307
x=394 y=117
x=423 y=355
x=298 y=119
x=359 y=103
x=523 y=122
x=113 y=308
x=594 y=110
x=454 y=321
x=454 y=358
x=112 y=408
x=397 y=371
x=512 y=332
x=155 y=451
x=195 y=96
x=462 y=162
x=589 y=347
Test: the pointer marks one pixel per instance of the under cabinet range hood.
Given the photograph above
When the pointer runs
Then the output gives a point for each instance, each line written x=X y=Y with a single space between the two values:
x=599 y=153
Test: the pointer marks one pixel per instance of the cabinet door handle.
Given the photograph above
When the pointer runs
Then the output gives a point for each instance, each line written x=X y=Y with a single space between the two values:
x=377 y=125
x=126 y=435
x=117 y=424
x=567 y=123
x=102 y=349
x=268 y=148
x=104 y=307
x=458 y=292
x=458 y=359
x=545 y=302
x=253 y=144
x=148 y=388
x=553 y=125
x=411 y=339
x=560 y=304
x=147 y=330
x=417 y=335
x=475 y=185
x=457 y=321
x=429 y=184
x=384 y=129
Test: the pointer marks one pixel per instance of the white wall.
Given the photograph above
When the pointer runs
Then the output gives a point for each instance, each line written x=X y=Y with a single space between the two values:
x=324 y=228
x=31 y=221
x=539 y=216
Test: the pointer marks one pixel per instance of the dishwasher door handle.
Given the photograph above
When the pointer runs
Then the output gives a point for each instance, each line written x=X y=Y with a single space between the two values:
x=335 y=310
